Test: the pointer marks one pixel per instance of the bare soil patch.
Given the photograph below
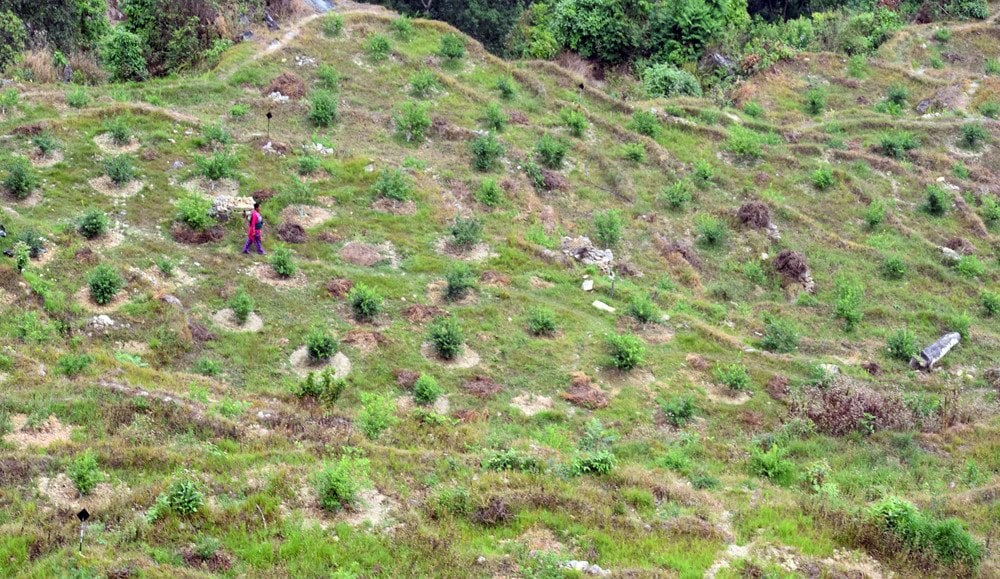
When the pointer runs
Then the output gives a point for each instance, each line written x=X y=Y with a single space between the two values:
x=226 y=319
x=541 y=540
x=49 y=432
x=583 y=392
x=110 y=239
x=374 y=510
x=106 y=186
x=482 y=387
x=184 y=234
x=228 y=187
x=266 y=274
x=308 y=216
x=40 y=161
x=420 y=314
x=531 y=404
x=539 y=283
x=364 y=341
x=32 y=200
x=467 y=358
x=339 y=288
x=82 y=297
x=104 y=143
x=291 y=232
x=491 y=277
x=61 y=492
x=363 y=254
x=302 y=365
x=287 y=83
x=476 y=253
x=394 y=207
x=437 y=294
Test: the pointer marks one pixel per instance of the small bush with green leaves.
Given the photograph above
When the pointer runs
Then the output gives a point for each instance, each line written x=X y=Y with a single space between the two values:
x=320 y=345
x=34 y=241
x=849 y=296
x=644 y=309
x=634 y=152
x=452 y=47
x=184 y=498
x=494 y=118
x=678 y=410
x=423 y=83
x=960 y=170
x=208 y=367
x=21 y=179
x=745 y=143
x=551 y=151
x=972 y=136
x=676 y=196
x=324 y=387
x=322 y=108
x=194 y=210
x=119 y=131
x=77 y=97
x=815 y=102
x=216 y=136
x=460 y=280
x=733 y=376
x=822 y=178
x=454 y=501
x=645 y=123
x=946 y=540
x=991 y=303
x=512 y=459
x=898 y=94
x=704 y=173
x=574 y=120
x=338 y=483
x=668 y=81
x=490 y=193
x=377 y=414
x=402 y=27
x=366 y=302
x=970 y=266
x=239 y=110
x=446 y=336
x=608 y=227
x=893 y=267
x=599 y=463
x=466 y=232
x=712 y=231
x=84 y=472
x=328 y=78
x=990 y=210
x=772 y=465
x=45 y=143
x=627 y=351
x=942 y=34
x=541 y=321
x=487 y=151
x=104 y=282
x=93 y=224
x=753 y=109
x=897 y=144
x=378 y=48
x=22 y=255
x=990 y=109
x=426 y=390
x=119 y=169
x=72 y=365
x=412 y=121
x=307 y=164
x=220 y=165
x=902 y=345
x=937 y=201
x=393 y=184
x=992 y=66
x=333 y=25
x=875 y=213
x=282 y=263
x=242 y=305
x=780 y=335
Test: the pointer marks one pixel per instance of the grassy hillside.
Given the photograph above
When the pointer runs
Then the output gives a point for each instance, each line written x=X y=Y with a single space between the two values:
x=766 y=429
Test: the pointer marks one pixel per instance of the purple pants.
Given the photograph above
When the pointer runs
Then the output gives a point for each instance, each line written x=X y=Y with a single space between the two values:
x=253 y=241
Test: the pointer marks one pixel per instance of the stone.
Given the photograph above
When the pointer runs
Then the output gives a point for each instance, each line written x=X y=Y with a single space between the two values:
x=603 y=306
x=101 y=322
x=933 y=354
x=949 y=255
x=172 y=300
x=588 y=285
x=225 y=205
x=582 y=250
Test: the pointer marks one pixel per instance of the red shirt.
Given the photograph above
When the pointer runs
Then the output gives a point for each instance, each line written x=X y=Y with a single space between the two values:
x=255 y=224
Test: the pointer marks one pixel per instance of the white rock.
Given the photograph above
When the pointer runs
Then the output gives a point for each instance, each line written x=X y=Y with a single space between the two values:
x=603 y=307
x=588 y=285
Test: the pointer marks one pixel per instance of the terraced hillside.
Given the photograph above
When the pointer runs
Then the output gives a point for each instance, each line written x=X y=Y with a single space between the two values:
x=447 y=380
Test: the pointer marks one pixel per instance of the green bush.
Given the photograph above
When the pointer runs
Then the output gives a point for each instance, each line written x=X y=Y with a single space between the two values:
x=898 y=94
x=119 y=131
x=426 y=390
x=93 y=224
x=239 y=110
x=875 y=213
x=512 y=459
x=704 y=173
x=365 y=301
x=598 y=463
x=678 y=410
x=990 y=210
x=822 y=178
x=282 y=263
x=627 y=351
x=333 y=25
x=815 y=102
x=893 y=267
x=945 y=540
x=541 y=321
x=412 y=121
x=494 y=118
x=733 y=376
x=423 y=83
x=490 y=193
x=574 y=120
x=402 y=27
x=378 y=48
x=72 y=365
x=242 y=305
x=992 y=66
x=324 y=387
x=645 y=123
x=455 y=501
x=745 y=143
x=320 y=345
x=902 y=345
x=393 y=184
x=990 y=109
x=452 y=47
x=378 y=413
x=77 y=97
x=937 y=202
x=460 y=280
x=753 y=109
x=977 y=9
x=84 y=473
x=970 y=266
x=634 y=152
x=104 y=282
x=328 y=77
x=184 y=498
x=216 y=136
x=322 y=108
x=973 y=135
x=712 y=231
x=446 y=336
x=667 y=81
x=897 y=144
x=119 y=169
x=307 y=164
x=779 y=335
x=13 y=38
x=608 y=227
x=221 y=165
x=338 y=483
x=551 y=151
x=122 y=55
x=21 y=178
x=487 y=151
x=849 y=296
x=45 y=143
x=466 y=232
x=210 y=367
x=676 y=196
x=194 y=210
x=772 y=465
x=506 y=86
x=22 y=255
x=991 y=303
x=644 y=309
x=942 y=34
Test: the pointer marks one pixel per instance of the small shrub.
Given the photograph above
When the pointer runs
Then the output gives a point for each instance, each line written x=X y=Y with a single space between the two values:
x=366 y=302
x=452 y=47
x=541 y=321
x=426 y=390
x=507 y=87
x=455 y=501
x=745 y=143
x=393 y=184
x=990 y=210
x=704 y=173
x=22 y=255
x=608 y=227
x=460 y=280
x=712 y=231
x=378 y=413
x=676 y=196
x=239 y=110
x=402 y=27
x=902 y=345
x=184 y=498
x=779 y=335
x=93 y=224
x=21 y=178
x=320 y=345
x=412 y=121
x=645 y=123
x=551 y=151
x=753 y=109
x=104 y=282
x=512 y=459
x=466 y=232
x=992 y=66
x=990 y=109
x=848 y=299
x=328 y=77
x=893 y=267
x=377 y=48
x=960 y=170
x=733 y=376
x=857 y=66
x=446 y=336
x=194 y=210
x=322 y=108
x=282 y=263
x=338 y=483
x=667 y=81
x=84 y=473
x=898 y=94
x=678 y=410
x=575 y=121
x=634 y=152
x=897 y=144
x=991 y=303
x=627 y=351
x=937 y=202
x=216 y=135
x=119 y=131
x=77 y=97
x=644 y=309
x=494 y=118
x=875 y=213
x=333 y=25
x=307 y=165
x=486 y=152
x=598 y=463
x=815 y=102
x=970 y=266
x=822 y=178
x=242 y=305
x=772 y=465
x=323 y=387
x=973 y=135
x=119 y=169
x=942 y=34
x=213 y=368
x=45 y=143
x=221 y=165
x=490 y=193
x=946 y=540
x=423 y=83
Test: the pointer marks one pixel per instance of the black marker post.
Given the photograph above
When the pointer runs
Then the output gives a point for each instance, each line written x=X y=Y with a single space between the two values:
x=269 y=116
x=83 y=515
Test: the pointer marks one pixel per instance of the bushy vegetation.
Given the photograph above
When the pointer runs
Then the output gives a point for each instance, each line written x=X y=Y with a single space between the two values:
x=426 y=390
x=20 y=179
x=93 y=224
x=627 y=351
x=574 y=120
x=446 y=336
x=365 y=301
x=487 y=151
x=541 y=321
x=667 y=81
x=104 y=282
x=242 y=305
x=84 y=472
x=119 y=169
x=943 y=539
x=459 y=279
x=780 y=335
x=608 y=227
x=338 y=483
x=322 y=108
x=733 y=376
x=282 y=263
x=551 y=151
x=490 y=193
x=194 y=210
x=320 y=345
x=412 y=122
x=393 y=184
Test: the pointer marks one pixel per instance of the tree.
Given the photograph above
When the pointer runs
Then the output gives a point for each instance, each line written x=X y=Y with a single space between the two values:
x=121 y=51
x=12 y=38
x=601 y=29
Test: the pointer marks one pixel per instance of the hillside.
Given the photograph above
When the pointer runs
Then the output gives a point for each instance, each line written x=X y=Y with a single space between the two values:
x=776 y=264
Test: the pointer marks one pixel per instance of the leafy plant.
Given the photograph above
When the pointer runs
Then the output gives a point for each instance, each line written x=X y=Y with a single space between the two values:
x=634 y=152
x=902 y=345
x=446 y=336
x=704 y=173
x=378 y=48
x=282 y=263
x=325 y=386
x=402 y=26
x=426 y=390
x=937 y=202
x=393 y=184
x=992 y=66
x=667 y=81
x=815 y=102
x=990 y=210
x=893 y=267
x=712 y=231
x=184 y=498
x=119 y=131
x=677 y=195
x=378 y=413
x=512 y=459
x=328 y=77
x=365 y=301
x=466 y=232
x=322 y=108
x=972 y=136
x=679 y=410
x=412 y=121
x=644 y=309
x=221 y=165
x=320 y=345
x=333 y=25
x=452 y=47
x=627 y=351
x=733 y=376
x=22 y=255
x=551 y=151
x=506 y=86
x=72 y=365
x=848 y=299
x=490 y=193
x=77 y=97
x=45 y=143
x=105 y=282
x=780 y=335
x=875 y=213
x=84 y=472
x=338 y=483
x=574 y=120
x=21 y=178
x=423 y=83
x=486 y=152
x=208 y=367
x=991 y=303
x=307 y=165
x=494 y=118
x=772 y=465
x=822 y=178
x=598 y=463
x=93 y=224
x=242 y=305
x=897 y=144
x=745 y=143
x=541 y=321
x=608 y=227
x=119 y=169
x=460 y=280
x=194 y=210
x=753 y=109
x=970 y=266
x=898 y=94
x=645 y=123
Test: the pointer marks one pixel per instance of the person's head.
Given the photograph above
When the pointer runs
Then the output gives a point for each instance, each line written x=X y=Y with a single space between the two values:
x=256 y=205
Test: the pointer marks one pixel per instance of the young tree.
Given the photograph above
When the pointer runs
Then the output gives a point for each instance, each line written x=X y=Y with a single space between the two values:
x=12 y=38
x=121 y=52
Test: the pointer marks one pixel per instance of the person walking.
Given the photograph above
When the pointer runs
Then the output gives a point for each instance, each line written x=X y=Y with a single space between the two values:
x=255 y=230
